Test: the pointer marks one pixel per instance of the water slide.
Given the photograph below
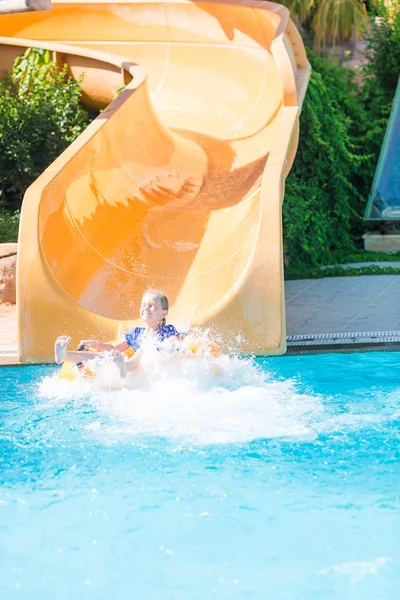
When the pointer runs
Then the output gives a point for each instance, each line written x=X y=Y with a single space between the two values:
x=178 y=184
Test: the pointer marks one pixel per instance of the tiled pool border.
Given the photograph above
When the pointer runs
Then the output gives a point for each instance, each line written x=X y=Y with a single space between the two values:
x=344 y=342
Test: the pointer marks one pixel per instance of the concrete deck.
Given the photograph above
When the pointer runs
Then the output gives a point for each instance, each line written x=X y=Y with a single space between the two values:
x=343 y=304
x=8 y=324
x=8 y=333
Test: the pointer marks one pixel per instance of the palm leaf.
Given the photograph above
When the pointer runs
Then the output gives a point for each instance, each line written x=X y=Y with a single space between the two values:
x=335 y=21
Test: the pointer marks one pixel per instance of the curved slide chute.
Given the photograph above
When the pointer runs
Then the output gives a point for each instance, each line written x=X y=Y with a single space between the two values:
x=178 y=184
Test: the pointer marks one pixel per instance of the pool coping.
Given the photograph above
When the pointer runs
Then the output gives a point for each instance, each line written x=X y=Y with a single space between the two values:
x=341 y=349
x=363 y=341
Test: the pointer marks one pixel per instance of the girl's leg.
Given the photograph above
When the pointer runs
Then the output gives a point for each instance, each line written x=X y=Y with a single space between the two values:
x=119 y=361
x=126 y=366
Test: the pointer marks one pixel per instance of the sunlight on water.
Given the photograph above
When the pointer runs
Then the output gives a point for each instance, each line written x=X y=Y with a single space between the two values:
x=199 y=478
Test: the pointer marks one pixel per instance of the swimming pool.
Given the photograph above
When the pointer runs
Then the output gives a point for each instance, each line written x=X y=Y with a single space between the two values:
x=281 y=482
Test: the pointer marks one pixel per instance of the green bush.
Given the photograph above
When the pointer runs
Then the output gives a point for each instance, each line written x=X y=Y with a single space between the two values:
x=379 y=81
x=9 y=223
x=40 y=115
x=383 y=48
x=342 y=128
x=323 y=204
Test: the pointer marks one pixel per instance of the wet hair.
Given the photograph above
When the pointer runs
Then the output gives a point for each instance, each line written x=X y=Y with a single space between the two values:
x=163 y=301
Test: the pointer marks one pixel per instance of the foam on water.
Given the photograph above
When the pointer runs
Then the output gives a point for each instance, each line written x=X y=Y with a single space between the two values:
x=200 y=401
x=207 y=401
x=356 y=570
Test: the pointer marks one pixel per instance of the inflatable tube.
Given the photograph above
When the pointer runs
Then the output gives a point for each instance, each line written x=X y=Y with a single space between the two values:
x=203 y=348
x=71 y=370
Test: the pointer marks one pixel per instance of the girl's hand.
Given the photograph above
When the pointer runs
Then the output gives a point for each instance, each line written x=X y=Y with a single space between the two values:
x=86 y=344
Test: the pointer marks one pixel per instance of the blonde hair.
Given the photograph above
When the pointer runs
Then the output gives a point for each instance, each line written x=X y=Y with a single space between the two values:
x=163 y=301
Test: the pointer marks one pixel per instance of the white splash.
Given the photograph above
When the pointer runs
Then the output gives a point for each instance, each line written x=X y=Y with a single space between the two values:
x=198 y=401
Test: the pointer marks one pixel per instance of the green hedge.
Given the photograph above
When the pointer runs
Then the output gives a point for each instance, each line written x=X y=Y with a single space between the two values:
x=383 y=49
x=9 y=224
x=40 y=115
x=342 y=126
x=341 y=131
x=322 y=203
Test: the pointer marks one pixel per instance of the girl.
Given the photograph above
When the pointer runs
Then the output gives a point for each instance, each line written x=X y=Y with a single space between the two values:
x=153 y=312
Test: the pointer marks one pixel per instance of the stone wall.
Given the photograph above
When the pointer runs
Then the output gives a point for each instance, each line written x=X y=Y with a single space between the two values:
x=8 y=265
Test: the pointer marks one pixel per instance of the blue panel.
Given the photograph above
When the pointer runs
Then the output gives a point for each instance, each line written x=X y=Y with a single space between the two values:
x=384 y=201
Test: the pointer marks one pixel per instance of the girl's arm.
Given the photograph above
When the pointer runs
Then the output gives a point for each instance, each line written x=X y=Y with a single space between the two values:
x=80 y=355
x=119 y=346
x=61 y=352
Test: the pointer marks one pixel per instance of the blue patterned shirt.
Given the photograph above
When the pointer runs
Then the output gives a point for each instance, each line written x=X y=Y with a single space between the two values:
x=135 y=337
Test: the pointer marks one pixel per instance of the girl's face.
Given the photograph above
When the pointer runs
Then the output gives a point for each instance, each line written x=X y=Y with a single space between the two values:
x=151 y=311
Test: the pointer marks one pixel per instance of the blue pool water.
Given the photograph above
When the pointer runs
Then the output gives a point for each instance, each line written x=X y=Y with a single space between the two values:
x=279 y=481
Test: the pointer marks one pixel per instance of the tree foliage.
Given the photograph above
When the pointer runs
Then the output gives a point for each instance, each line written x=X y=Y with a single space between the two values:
x=383 y=49
x=9 y=224
x=322 y=201
x=40 y=115
x=342 y=126
x=329 y=22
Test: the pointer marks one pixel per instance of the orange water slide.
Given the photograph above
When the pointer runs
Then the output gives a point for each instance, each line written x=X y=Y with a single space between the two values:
x=178 y=184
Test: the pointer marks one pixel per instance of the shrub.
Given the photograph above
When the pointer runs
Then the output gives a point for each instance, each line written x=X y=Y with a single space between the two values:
x=379 y=80
x=40 y=115
x=322 y=204
x=383 y=48
x=9 y=223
